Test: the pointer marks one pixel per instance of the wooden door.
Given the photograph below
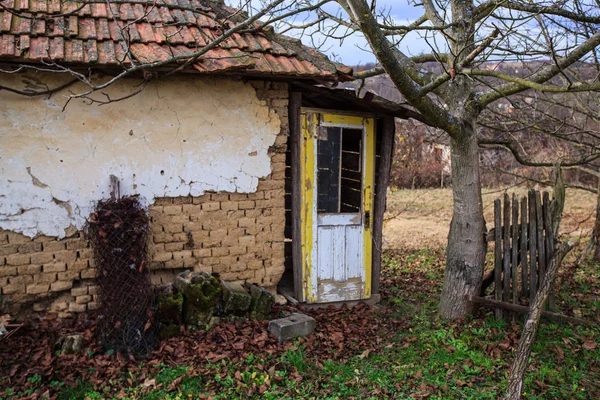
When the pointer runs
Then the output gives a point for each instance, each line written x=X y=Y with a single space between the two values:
x=337 y=155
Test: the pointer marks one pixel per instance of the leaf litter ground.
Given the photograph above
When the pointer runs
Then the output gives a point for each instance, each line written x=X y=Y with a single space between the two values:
x=397 y=349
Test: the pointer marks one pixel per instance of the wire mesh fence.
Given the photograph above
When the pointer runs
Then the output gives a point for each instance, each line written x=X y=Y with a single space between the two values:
x=118 y=232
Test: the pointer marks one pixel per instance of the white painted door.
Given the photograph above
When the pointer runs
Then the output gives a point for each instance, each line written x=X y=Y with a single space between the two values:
x=338 y=203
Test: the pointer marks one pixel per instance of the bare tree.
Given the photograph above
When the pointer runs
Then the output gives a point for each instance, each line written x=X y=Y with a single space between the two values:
x=461 y=77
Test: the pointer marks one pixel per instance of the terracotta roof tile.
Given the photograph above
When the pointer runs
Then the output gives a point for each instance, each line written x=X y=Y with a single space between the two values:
x=103 y=34
x=57 y=49
x=53 y=6
x=7 y=46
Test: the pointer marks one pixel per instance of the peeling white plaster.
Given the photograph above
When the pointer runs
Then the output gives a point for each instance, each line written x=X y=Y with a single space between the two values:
x=177 y=138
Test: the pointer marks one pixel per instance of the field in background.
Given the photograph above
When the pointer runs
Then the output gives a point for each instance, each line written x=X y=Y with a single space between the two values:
x=420 y=219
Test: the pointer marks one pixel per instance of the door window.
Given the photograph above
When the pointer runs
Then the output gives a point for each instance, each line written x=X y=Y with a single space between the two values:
x=339 y=170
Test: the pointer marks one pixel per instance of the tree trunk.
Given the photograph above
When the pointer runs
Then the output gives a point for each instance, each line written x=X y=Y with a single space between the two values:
x=596 y=233
x=517 y=369
x=466 y=247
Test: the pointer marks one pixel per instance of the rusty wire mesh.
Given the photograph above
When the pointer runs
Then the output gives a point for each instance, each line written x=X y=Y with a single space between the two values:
x=118 y=232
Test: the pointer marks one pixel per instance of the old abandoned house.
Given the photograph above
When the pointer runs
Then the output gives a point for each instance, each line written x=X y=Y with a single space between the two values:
x=250 y=167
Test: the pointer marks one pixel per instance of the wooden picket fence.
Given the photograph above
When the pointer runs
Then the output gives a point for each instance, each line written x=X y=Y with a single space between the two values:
x=523 y=246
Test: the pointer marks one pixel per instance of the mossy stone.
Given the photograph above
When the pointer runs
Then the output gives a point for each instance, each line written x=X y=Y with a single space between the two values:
x=236 y=299
x=201 y=292
x=168 y=331
x=170 y=308
x=261 y=303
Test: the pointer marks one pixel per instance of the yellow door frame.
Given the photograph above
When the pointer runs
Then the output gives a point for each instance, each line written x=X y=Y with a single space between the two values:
x=310 y=122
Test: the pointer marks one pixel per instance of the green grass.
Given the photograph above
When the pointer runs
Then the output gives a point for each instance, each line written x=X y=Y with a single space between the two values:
x=431 y=357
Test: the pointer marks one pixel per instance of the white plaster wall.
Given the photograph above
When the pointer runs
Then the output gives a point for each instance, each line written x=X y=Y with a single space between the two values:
x=178 y=137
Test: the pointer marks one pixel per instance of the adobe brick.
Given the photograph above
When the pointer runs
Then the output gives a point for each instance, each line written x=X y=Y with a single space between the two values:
x=46 y=277
x=248 y=204
x=162 y=256
x=180 y=237
x=211 y=261
x=30 y=247
x=237 y=250
x=8 y=249
x=18 y=259
x=211 y=206
x=234 y=276
x=55 y=267
x=90 y=273
x=163 y=201
x=246 y=222
x=41 y=258
x=178 y=219
x=156 y=265
x=60 y=286
x=200 y=199
x=38 y=288
x=93 y=289
x=162 y=238
x=83 y=299
x=203 y=252
x=12 y=288
x=67 y=256
x=229 y=205
x=78 y=265
x=203 y=268
x=189 y=262
x=54 y=246
x=17 y=238
x=3 y=238
x=79 y=291
x=219 y=197
x=247 y=241
x=171 y=247
x=180 y=255
x=229 y=241
x=259 y=195
x=173 y=228
x=85 y=253
x=182 y=200
x=77 y=308
x=220 y=251
x=68 y=275
x=77 y=244
x=172 y=264
x=59 y=306
x=172 y=209
x=92 y=305
x=29 y=269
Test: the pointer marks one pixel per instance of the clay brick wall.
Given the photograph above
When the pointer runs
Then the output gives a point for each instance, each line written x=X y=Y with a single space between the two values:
x=239 y=236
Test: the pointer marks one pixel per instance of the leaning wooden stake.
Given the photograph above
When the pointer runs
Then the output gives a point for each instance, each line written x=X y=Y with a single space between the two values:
x=515 y=378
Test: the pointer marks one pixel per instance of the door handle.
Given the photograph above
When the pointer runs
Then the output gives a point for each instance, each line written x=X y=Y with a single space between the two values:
x=367 y=219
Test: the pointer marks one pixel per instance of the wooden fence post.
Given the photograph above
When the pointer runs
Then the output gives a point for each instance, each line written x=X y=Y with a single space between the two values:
x=498 y=254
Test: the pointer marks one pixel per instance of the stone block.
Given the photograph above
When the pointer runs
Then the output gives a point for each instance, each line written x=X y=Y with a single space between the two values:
x=292 y=326
x=170 y=308
x=201 y=292
x=261 y=303
x=235 y=298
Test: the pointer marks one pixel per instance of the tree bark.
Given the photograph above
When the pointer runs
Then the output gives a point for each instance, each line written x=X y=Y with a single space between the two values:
x=595 y=241
x=517 y=369
x=466 y=248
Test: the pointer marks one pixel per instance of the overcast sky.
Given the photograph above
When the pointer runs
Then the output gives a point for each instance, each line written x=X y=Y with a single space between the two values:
x=355 y=50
